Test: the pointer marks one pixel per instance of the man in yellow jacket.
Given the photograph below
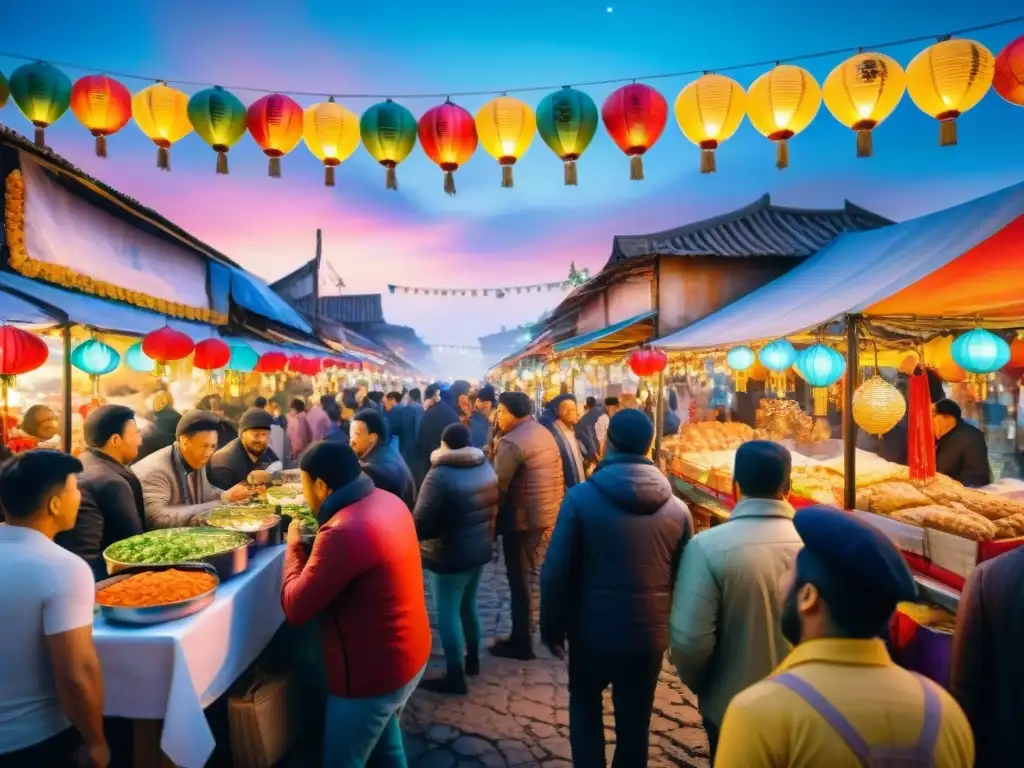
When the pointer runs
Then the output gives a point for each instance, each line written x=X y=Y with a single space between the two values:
x=837 y=700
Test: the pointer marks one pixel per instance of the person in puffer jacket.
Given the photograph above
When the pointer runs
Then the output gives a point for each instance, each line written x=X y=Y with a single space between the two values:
x=606 y=587
x=454 y=517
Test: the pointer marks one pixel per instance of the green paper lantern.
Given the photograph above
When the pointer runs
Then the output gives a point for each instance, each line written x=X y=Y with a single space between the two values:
x=219 y=117
x=95 y=358
x=388 y=131
x=138 y=360
x=567 y=121
x=42 y=93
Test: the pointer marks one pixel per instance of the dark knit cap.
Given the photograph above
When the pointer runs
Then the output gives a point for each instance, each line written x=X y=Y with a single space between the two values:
x=630 y=431
x=255 y=418
x=105 y=422
x=516 y=403
x=558 y=400
x=762 y=468
x=859 y=572
x=456 y=436
x=333 y=462
x=196 y=421
x=486 y=393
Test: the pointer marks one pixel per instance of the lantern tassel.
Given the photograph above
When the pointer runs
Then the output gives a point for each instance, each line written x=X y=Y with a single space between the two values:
x=328 y=175
x=222 y=163
x=636 y=168
x=274 y=168
x=865 y=146
x=391 y=178
x=40 y=136
x=920 y=438
x=506 y=176
x=781 y=154
x=571 y=177
x=449 y=183
x=707 y=161
x=101 y=146
x=947 y=133
x=163 y=158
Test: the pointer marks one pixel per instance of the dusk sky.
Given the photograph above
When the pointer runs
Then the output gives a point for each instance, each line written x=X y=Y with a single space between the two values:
x=486 y=235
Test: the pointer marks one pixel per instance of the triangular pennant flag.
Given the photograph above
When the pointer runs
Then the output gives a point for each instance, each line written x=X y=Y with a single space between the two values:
x=391 y=288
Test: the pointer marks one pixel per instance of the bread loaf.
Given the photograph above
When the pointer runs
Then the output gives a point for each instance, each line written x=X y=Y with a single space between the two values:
x=960 y=522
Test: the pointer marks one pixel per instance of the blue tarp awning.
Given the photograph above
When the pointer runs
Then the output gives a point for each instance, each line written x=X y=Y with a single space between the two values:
x=17 y=311
x=606 y=334
x=251 y=293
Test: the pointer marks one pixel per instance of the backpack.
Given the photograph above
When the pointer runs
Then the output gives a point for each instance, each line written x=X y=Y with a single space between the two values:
x=919 y=755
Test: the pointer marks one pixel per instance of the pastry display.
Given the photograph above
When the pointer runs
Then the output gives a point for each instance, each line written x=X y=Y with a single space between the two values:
x=956 y=520
x=891 y=496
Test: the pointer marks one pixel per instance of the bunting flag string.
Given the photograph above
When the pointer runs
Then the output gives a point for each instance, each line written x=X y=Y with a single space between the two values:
x=944 y=80
x=576 y=277
x=458 y=349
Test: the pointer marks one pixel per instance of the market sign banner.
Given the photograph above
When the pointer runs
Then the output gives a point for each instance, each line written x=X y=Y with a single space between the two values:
x=58 y=237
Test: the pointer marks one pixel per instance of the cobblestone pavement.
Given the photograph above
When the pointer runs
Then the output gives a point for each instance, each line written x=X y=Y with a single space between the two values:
x=516 y=713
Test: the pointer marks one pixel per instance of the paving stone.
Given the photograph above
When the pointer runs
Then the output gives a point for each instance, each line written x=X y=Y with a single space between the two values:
x=470 y=746
x=439 y=734
x=435 y=758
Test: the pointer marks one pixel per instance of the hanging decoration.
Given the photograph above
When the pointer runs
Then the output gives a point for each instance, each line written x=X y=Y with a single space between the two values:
x=647 y=361
x=709 y=110
x=821 y=367
x=271 y=362
x=506 y=127
x=161 y=113
x=567 y=122
x=20 y=352
x=42 y=93
x=778 y=357
x=96 y=359
x=635 y=116
x=219 y=118
x=448 y=136
x=863 y=91
x=331 y=133
x=576 y=278
x=878 y=406
x=388 y=131
x=275 y=122
x=980 y=352
x=138 y=360
x=102 y=105
x=1007 y=80
x=740 y=359
x=243 y=359
x=947 y=79
x=780 y=104
x=920 y=433
x=211 y=355
x=166 y=346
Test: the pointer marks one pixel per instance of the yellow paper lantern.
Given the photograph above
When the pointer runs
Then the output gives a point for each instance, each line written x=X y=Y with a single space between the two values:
x=161 y=113
x=709 y=110
x=863 y=91
x=506 y=127
x=331 y=133
x=878 y=406
x=781 y=103
x=947 y=79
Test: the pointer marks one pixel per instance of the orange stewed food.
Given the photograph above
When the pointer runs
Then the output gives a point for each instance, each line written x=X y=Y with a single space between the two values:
x=156 y=588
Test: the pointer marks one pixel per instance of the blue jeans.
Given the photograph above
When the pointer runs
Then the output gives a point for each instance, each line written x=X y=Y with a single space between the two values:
x=457 y=616
x=367 y=732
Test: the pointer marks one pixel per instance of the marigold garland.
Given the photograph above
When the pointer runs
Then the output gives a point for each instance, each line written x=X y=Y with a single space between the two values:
x=14 y=214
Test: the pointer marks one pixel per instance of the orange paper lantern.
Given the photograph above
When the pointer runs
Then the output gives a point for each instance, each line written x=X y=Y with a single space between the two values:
x=275 y=122
x=102 y=105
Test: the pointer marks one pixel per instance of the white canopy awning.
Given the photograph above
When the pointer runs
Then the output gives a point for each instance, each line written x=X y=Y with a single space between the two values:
x=857 y=271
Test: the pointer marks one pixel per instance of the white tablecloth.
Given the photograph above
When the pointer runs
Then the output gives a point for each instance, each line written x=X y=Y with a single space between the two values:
x=173 y=671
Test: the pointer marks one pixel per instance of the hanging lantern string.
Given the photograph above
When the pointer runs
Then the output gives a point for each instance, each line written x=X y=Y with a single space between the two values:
x=773 y=61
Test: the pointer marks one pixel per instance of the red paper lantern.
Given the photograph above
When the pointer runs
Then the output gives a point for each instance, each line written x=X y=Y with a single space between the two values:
x=635 y=116
x=167 y=345
x=20 y=352
x=271 y=362
x=1008 y=80
x=646 y=361
x=448 y=137
x=211 y=354
x=275 y=122
x=102 y=105
x=312 y=366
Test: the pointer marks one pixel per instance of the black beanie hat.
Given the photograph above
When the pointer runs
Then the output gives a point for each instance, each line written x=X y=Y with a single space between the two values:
x=630 y=431
x=456 y=436
x=255 y=418
x=333 y=462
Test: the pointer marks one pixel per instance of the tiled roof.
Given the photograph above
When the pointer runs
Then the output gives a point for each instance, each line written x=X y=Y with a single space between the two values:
x=361 y=308
x=760 y=229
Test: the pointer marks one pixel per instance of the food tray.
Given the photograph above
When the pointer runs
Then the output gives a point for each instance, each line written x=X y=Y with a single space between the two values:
x=267 y=534
x=228 y=563
x=157 y=614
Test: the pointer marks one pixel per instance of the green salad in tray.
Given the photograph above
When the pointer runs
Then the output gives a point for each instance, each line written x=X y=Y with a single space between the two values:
x=242 y=518
x=174 y=545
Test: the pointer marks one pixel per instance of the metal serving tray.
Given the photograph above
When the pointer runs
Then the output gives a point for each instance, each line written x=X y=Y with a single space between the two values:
x=157 y=614
x=267 y=535
x=228 y=563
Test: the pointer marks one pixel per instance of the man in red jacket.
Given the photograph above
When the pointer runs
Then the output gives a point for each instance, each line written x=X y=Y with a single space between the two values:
x=363 y=579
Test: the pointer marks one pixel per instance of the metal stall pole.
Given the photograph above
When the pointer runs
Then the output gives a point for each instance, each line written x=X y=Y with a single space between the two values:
x=659 y=417
x=66 y=391
x=849 y=425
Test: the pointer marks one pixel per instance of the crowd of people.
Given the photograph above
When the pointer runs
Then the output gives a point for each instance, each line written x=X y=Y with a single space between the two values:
x=776 y=620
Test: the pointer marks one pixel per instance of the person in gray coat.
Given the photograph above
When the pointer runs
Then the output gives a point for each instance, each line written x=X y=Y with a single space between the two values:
x=454 y=516
x=530 y=488
x=606 y=587
x=175 y=487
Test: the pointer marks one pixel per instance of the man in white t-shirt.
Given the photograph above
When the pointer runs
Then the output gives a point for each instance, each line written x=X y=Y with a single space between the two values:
x=611 y=405
x=51 y=688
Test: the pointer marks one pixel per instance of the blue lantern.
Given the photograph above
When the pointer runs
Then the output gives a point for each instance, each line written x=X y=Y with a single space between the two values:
x=740 y=358
x=778 y=356
x=821 y=366
x=243 y=357
x=138 y=360
x=979 y=351
x=95 y=358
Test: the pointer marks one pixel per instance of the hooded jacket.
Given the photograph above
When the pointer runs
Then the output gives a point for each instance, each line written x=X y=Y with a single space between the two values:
x=607 y=580
x=455 y=511
x=386 y=467
x=428 y=439
x=363 y=581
